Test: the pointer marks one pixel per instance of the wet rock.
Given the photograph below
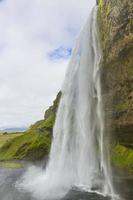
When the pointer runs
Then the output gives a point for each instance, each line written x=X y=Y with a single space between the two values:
x=116 y=31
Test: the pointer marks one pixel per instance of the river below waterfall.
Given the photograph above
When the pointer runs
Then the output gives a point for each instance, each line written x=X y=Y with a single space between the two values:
x=8 y=177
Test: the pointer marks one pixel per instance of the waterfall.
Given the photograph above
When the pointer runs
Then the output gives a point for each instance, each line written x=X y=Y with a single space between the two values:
x=77 y=157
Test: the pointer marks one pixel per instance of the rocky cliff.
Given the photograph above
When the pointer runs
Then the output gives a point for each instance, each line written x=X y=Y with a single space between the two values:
x=115 y=19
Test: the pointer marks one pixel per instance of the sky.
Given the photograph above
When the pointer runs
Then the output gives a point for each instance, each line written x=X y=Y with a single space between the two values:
x=36 y=41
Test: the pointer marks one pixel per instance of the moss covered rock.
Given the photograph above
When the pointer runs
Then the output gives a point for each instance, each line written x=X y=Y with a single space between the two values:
x=122 y=157
x=116 y=31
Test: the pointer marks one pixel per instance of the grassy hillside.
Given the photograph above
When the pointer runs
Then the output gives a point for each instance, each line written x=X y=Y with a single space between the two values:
x=30 y=145
x=34 y=144
x=6 y=137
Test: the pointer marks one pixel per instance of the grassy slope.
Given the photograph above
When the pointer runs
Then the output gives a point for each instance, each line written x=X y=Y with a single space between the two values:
x=33 y=144
x=11 y=164
x=6 y=137
x=30 y=145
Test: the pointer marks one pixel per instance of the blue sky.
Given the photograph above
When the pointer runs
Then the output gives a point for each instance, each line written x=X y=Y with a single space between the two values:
x=36 y=40
x=60 y=53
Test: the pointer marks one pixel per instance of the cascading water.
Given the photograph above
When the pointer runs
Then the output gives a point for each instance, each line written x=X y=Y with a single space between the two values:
x=77 y=155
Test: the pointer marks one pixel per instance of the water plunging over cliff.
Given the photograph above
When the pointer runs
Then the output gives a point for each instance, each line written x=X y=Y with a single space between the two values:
x=77 y=155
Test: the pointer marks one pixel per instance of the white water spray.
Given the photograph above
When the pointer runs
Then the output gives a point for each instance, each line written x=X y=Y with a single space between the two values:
x=77 y=155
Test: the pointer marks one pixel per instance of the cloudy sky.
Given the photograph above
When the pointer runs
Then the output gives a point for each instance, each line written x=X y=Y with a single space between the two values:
x=36 y=39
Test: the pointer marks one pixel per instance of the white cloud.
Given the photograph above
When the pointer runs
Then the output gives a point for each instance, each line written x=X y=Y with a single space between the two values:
x=29 y=31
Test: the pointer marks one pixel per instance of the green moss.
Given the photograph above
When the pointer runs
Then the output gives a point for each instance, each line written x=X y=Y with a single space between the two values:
x=122 y=157
x=122 y=107
x=101 y=5
x=104 y=25
x=49 y=122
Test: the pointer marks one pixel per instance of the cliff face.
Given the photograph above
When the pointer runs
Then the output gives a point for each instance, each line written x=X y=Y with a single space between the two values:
x=116 y=29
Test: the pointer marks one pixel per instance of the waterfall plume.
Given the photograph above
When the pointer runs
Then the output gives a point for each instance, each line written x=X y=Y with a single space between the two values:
x=77 y=157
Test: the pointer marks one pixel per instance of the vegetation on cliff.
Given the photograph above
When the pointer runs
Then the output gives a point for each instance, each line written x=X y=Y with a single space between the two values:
x=122 y=157
x=116 y=30
x=6 y=137
x=34 y=144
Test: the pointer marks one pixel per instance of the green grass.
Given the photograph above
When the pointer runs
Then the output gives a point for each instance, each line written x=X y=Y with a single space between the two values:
x=122 y=157
x=11 y=165
x=6 y=137
x=44 y=124
x=33 y=144
x=29 y=146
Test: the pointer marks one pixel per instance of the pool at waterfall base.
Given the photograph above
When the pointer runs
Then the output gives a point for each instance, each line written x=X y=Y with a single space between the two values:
x=123 y=185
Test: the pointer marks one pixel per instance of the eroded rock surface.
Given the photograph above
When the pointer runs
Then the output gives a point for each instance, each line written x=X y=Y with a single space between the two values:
x=116 y=30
